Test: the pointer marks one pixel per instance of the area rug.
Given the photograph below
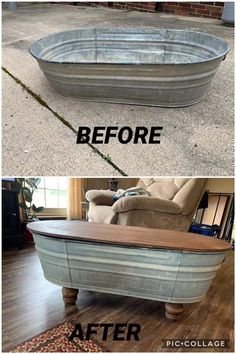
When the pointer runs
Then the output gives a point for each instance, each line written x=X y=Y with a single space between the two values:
x=56 y=340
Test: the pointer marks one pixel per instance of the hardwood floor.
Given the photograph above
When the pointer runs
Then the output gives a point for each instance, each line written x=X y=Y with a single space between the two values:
x=31 y=305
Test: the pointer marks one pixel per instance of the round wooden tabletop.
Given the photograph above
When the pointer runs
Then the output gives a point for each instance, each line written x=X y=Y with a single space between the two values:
x=128 y=236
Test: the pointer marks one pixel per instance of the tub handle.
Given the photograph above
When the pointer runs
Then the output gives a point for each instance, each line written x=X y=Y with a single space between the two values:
x=224 y=57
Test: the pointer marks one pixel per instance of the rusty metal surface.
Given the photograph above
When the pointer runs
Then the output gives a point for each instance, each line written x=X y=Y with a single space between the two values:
x=168 y=68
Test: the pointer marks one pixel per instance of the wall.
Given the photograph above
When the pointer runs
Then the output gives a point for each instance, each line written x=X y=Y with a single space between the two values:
x=101 y=183
x=220 y=185
x=138 y=6
x=198 y=9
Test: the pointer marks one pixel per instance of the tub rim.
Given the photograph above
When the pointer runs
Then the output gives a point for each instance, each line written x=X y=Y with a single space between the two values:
x=219 y=56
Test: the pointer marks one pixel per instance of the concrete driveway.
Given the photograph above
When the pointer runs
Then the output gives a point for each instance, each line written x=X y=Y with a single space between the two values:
x=196 y=140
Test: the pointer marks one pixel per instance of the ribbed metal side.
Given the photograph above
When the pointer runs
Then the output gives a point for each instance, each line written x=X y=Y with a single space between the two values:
x=169 y=68
x=170 y=276
x=158 y=85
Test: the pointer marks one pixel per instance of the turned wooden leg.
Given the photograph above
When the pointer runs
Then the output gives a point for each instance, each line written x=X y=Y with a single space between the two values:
x=69 y=295
x=173 y=311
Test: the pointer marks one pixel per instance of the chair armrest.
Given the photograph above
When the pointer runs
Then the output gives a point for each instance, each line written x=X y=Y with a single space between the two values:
x=100 y=197
x=146 y=203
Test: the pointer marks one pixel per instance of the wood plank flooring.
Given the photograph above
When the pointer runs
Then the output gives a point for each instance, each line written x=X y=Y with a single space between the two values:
x=31 y=305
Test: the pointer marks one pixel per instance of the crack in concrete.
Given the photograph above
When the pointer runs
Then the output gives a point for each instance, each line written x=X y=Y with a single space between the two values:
x=62 y=119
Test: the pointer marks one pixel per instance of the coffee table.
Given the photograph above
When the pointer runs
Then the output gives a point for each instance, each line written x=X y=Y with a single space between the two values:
x=170 y=266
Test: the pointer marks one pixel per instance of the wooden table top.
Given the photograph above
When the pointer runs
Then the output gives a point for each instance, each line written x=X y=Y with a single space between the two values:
x=128 y=236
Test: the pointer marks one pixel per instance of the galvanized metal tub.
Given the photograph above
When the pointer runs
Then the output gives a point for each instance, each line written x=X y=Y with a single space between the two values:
x=157 y=67
x=169 y=276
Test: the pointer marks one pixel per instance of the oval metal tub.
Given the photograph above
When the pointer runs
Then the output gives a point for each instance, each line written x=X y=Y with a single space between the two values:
x=157 y=67
x=163 y=275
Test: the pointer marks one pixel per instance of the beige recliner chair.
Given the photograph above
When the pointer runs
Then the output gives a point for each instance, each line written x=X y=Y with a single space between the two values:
x=171 y=204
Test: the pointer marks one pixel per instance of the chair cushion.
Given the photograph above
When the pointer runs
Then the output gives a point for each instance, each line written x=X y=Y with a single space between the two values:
x=163 y=188
x=101 y=214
